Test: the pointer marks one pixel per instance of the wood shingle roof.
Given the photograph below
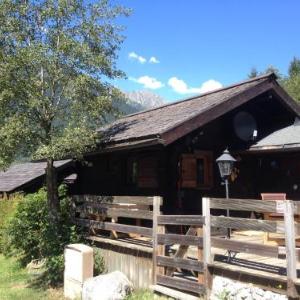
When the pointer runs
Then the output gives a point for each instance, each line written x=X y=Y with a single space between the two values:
x=169 y=122
x=19 y=175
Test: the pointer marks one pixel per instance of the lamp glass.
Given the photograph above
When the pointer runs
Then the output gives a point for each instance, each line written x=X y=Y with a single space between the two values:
x=225 y=168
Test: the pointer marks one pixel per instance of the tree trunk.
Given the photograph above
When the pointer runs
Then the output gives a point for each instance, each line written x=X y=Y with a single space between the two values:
x=52 y=190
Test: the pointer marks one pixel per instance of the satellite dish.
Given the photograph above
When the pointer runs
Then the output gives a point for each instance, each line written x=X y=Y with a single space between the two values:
x=244 y=126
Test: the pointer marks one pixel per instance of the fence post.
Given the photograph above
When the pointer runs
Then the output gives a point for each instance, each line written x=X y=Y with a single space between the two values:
x=207 y=259
x=290 y=248
x=157 y=249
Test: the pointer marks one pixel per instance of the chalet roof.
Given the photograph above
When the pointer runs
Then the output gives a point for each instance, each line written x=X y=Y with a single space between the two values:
x=167 y=123
x=21 y=174
x=287 y=138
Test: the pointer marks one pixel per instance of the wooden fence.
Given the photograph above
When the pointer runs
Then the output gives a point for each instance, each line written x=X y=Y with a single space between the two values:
x=94 y=212
x=287 y=227
x=113 y=223
x=106 y=214
x=165 y=266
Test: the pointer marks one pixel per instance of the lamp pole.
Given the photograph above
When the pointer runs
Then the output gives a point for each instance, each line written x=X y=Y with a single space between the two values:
x=227 y=210
x=225 y=163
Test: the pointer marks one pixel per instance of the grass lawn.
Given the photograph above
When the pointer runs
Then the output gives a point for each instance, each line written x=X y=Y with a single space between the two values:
x=145 y=295
x=14 y=284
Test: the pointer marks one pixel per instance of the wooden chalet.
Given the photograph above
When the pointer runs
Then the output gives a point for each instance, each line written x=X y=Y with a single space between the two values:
x=179 y=239
x=171 y=150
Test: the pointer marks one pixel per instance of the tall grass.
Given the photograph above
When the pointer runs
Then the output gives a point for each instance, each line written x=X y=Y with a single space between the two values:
x=7 y=209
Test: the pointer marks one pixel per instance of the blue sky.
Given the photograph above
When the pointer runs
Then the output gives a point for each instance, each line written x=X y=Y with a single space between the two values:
x=201 y=45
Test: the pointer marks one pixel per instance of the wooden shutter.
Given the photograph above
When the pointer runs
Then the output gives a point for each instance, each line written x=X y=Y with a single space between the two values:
x=147 y=172
x=188 y=171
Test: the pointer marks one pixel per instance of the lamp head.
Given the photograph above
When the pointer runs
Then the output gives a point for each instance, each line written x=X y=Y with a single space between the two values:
x=225 y=163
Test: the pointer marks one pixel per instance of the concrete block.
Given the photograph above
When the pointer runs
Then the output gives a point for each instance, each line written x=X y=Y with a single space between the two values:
x=79 y=265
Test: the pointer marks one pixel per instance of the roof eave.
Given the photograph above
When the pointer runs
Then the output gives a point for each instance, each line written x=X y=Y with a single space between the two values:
x=180 y=130
x=273 y=148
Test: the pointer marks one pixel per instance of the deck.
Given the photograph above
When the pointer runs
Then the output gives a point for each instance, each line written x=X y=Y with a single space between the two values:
x=259 y=270
x=188 y=250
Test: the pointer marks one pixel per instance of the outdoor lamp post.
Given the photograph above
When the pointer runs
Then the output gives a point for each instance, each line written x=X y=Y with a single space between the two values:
x=225 y=163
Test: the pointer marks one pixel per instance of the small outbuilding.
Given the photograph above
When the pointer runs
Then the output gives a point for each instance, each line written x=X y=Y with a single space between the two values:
x=30 y=176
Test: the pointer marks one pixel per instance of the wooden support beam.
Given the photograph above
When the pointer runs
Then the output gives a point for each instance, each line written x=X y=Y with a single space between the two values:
x=157 y=249
x=170 y=238
x=248 y=224
x=115 y=212
x=181 y=263
x=114 y=227
x=290 y=249
x=139 y=200
x=181 y=284
x=192 y=220
x=207 y=256
x=182 y=250
x=244 y=205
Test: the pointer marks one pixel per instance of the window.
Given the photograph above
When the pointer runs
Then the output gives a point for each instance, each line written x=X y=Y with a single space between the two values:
x=132 y=171
x=197 y=170
x=142 y=172
x=200 y=171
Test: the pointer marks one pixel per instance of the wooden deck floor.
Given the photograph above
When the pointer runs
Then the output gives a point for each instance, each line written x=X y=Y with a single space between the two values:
x=246 y=264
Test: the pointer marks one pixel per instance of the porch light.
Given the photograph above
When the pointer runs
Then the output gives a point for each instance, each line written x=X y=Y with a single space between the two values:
x=225 y=163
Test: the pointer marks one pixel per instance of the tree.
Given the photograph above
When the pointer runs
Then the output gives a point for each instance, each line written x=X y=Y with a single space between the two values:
x=294 y=67
x=270 y=69
x=253 y=73
x=292 y=82
x=56 y=57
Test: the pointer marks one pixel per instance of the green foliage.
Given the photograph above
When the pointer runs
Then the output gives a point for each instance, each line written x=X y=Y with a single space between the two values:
x=224 y=295
x=56 y=60
x=7 y=209
x=253 y=73
x=31 y=234
x=294 y=67
x=99 y=264
x=145 y=295
x=292 y=86
x=270 y=69
x=291 y=82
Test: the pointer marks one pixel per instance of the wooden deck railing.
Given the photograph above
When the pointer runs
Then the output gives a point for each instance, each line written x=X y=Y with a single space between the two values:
x=164 y=266
x=288 y=228
x=106 y=213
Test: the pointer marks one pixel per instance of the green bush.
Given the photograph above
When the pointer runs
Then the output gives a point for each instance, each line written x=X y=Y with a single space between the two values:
x=32 y=234
x=99 y=264
x=7 y=209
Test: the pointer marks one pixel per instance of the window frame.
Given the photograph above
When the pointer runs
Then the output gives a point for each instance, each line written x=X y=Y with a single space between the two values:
x=192 y=183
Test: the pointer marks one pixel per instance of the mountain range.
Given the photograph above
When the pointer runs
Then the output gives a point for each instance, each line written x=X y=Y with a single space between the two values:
x=137 y=101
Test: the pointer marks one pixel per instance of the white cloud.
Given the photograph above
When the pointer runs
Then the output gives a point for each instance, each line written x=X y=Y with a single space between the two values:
x=142 y=60
x=139 y=58
x=148 y=82
x=180 y=87
x=153 y=60
x=210 y=85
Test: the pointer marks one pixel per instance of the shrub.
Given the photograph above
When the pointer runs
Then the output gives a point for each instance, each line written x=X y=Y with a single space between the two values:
x=99 y=265
x=31 y=233
x=7 y=209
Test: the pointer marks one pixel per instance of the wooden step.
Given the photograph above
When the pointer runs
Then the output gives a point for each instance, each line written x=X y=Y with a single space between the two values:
x=173 y=293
